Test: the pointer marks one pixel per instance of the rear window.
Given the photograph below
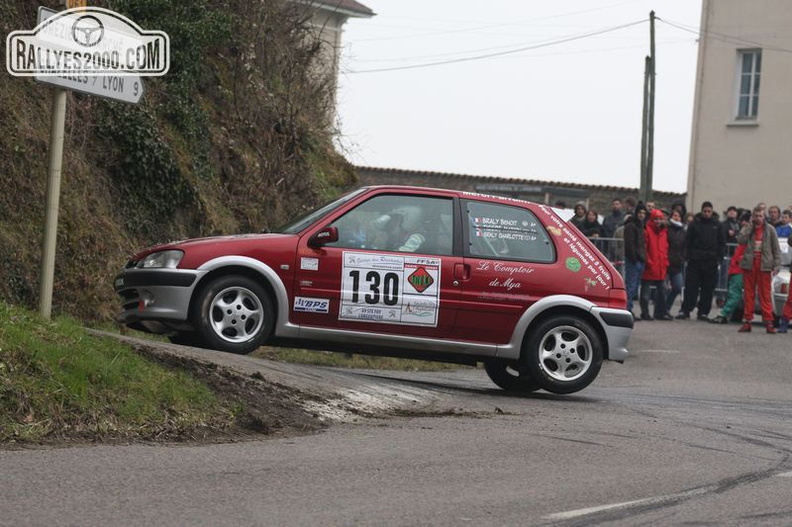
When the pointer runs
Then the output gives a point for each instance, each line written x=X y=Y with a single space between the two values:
x=504 y=231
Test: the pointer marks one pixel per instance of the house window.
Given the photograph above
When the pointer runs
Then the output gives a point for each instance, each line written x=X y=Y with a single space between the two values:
x=750 y=73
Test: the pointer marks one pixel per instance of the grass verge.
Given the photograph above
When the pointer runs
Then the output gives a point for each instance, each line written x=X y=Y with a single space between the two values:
x=56 y=380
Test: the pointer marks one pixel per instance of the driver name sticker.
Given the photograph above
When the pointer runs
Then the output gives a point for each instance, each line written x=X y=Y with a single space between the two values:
x=390 y=289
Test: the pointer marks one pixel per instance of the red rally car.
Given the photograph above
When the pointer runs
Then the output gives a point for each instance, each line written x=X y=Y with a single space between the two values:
x=400 y=271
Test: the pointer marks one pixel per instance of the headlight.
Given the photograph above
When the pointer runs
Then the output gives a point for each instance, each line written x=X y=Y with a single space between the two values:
x=162 y=259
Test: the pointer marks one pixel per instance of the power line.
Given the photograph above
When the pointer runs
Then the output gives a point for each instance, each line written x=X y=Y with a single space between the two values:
x=508 y=52
x=572 y=52
x=723 y=37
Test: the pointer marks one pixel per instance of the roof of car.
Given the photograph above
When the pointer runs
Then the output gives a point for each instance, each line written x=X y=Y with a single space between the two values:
x=451 y=192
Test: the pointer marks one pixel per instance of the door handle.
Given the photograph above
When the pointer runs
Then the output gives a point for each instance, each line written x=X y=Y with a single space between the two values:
x=462 y=272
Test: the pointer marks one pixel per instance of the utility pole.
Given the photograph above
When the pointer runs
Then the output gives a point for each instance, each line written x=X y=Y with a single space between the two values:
x=644 y=135
x=647 y=136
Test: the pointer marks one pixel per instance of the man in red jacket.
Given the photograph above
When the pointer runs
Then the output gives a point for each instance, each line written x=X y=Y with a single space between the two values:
x=656 y=268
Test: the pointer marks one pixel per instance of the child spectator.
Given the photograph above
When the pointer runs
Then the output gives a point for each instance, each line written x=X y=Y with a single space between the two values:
x=784 y=229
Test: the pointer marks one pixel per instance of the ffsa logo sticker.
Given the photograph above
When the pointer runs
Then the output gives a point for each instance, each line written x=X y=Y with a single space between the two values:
x=90 y=40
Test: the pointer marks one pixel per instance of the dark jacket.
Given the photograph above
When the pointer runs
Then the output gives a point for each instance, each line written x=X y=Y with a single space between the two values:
x=730 y=225
x=676 y=247
x=634 y=240
x=611 y=222
x=590 y=228
x=705 y=240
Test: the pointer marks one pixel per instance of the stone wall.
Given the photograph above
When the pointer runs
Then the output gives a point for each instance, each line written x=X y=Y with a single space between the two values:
x=597 y=196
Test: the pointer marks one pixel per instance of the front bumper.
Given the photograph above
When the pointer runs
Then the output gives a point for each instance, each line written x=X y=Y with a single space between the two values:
x=156 y=300
x=618 y=326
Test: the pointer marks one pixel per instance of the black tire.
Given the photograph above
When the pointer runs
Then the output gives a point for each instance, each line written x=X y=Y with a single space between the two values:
x=563 y=354
x=234 y=314
x=510 y=377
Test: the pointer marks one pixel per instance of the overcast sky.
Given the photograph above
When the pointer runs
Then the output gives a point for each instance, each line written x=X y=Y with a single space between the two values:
x=557 y=98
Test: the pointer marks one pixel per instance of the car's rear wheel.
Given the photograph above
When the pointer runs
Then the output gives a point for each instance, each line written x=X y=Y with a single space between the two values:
x=563 y=354
x=234 y=314
x=509 y=376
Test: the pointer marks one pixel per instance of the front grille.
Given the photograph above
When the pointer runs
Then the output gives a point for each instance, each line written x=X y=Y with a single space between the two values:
x=129 y=298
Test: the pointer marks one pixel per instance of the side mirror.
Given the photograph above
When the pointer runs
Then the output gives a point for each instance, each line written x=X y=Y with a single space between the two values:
x=323 y=237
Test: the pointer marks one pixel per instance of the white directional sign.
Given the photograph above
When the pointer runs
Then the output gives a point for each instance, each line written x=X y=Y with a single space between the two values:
x=126 y=88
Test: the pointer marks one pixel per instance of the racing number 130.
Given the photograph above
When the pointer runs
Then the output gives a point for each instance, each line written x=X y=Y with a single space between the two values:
x=385 y=286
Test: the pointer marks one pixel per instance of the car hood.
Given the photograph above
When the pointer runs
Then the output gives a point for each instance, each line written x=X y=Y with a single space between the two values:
x=224 y=243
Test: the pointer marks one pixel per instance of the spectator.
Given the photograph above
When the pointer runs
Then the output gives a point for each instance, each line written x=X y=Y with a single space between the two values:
x=761 y=261
x=731 y=225
x=734 y=292
x=784 y=229
x=730 y=229
x=676 y=257
x=614 y=219
x=656 y=268
x=634 y=252
x=704 y=247
x=786 y=314
x=689 y=218
x=580 y=214
x=679 y=206
x=650 y=206
x=629 y=207
x=774 y=215
x=591 y=227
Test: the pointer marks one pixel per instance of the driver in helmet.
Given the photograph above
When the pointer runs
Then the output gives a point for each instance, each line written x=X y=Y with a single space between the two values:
x=404 y=226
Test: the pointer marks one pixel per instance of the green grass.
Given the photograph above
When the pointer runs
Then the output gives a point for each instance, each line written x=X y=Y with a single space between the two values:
x=57 y=380
x=317 y=358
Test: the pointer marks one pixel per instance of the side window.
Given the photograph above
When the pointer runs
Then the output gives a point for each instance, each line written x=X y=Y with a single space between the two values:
x=503 y=231
x=413 y=224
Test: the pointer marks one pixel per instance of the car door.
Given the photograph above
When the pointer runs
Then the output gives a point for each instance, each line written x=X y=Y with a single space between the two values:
x=391 y=270
x=509 y=264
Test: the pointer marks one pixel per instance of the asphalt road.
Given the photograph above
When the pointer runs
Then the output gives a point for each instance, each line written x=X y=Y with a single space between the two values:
x=695 y=428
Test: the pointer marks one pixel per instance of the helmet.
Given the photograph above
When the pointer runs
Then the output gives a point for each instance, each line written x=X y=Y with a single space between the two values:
x=411 y=217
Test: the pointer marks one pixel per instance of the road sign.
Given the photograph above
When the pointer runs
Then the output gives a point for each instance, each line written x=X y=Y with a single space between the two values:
x=126 y=88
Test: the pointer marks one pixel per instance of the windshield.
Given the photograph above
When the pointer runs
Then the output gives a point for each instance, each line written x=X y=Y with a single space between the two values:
x=296 y=225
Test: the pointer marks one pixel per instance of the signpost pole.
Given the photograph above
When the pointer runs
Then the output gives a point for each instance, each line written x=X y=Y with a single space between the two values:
x=53 y=200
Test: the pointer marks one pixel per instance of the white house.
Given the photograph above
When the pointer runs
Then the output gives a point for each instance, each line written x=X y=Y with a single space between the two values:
x=327 y=19
x=741 y=142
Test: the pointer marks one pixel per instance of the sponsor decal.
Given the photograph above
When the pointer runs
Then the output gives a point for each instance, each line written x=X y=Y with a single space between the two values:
x=309 y=264
x=390 y=289
x=587 y=261
x=573 y=264
x=421 y=280
x=311 y=305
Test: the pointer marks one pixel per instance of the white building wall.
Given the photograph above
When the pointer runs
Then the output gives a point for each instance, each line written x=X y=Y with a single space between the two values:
x=742 y=162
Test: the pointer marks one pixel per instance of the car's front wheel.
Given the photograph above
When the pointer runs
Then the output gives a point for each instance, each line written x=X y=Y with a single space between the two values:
x=563 y=354
x=234 y=314
x=510 y=377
